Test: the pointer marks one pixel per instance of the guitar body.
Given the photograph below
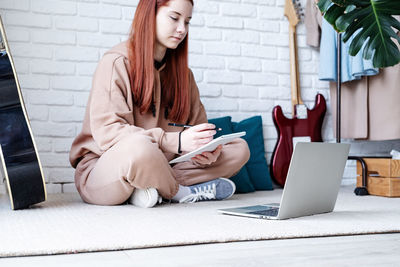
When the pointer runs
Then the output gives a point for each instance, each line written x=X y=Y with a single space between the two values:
x=19 y=158
x=287 y=129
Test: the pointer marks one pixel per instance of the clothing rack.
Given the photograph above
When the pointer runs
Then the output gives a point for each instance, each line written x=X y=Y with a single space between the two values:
x=361 y=190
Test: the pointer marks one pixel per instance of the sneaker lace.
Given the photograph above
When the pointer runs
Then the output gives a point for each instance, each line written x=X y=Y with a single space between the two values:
x=201 y=193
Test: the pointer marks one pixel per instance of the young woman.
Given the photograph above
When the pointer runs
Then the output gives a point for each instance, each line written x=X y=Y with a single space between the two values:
x=139 y=87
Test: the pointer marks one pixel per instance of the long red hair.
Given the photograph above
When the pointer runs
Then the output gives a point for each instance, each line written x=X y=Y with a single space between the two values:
x=175 y=82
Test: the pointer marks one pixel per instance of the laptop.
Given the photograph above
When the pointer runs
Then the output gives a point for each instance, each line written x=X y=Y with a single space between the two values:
x=311 y=187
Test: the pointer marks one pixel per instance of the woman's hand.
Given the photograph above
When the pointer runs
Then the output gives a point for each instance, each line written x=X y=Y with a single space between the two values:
x=197 y=136
x=207 y=158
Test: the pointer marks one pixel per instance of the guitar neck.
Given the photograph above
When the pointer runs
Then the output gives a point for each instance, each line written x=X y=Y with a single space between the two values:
x=294 y=69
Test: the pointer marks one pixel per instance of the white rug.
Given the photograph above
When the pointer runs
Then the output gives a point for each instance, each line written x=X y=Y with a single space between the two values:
x=64 y=224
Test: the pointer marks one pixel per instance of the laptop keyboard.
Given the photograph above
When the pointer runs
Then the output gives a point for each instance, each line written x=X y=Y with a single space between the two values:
x=268 y=212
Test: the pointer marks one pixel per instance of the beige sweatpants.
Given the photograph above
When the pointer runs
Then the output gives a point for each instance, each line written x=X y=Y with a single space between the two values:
x=137 y=162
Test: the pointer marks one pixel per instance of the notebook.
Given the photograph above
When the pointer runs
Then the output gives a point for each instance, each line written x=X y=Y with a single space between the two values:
x=211 y=146
x=312 y=183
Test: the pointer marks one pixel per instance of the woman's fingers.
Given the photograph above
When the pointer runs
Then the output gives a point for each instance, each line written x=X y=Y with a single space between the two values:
x=207 y=158
x=215 y=154
x=205 y=134
x=218 y=149
x=203 y=130
x=202 y=127
x=204 y=141
x=197 y=136
x=200 y=159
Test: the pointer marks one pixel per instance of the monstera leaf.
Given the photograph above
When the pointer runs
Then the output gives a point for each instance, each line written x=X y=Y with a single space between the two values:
x=371 y=23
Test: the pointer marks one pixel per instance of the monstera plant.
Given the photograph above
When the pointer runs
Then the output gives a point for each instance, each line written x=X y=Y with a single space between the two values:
x=372 y=24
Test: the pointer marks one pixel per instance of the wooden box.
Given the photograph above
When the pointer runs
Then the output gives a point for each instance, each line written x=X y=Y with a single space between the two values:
x=383 y=176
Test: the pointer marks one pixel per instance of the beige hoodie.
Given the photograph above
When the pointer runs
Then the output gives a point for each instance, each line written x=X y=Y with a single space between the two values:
x=111 y=114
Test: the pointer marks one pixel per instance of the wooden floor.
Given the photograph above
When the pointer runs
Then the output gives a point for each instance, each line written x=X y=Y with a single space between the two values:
x=362 y=250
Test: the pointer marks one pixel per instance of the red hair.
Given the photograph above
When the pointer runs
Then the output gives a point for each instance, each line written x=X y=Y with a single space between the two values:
x=175 y=82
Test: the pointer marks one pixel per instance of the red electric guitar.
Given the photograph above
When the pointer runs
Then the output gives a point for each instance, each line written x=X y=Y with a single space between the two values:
x=305 y=127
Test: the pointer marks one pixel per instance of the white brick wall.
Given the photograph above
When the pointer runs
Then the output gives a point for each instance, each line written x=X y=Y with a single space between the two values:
x=238 y=52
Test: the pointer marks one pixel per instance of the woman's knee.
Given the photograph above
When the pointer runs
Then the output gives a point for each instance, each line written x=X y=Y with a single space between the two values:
x=114 y=193
x=242 y=151
x=139 y=148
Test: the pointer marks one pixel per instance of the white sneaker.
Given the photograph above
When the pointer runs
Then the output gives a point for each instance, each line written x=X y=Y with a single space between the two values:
x=145 y=198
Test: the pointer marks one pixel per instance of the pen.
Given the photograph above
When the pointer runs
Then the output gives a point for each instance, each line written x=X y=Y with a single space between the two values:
x=187 y=126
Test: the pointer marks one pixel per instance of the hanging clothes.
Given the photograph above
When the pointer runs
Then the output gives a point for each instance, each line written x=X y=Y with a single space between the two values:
x=313 y=22
x=352 y=67
x=370 y=107
x=369 y=104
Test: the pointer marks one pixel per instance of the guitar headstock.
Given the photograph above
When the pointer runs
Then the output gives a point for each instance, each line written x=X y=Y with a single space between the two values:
x=293 y=11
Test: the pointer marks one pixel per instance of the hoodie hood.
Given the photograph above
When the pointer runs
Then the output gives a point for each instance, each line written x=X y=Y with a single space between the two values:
x=120 y=49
